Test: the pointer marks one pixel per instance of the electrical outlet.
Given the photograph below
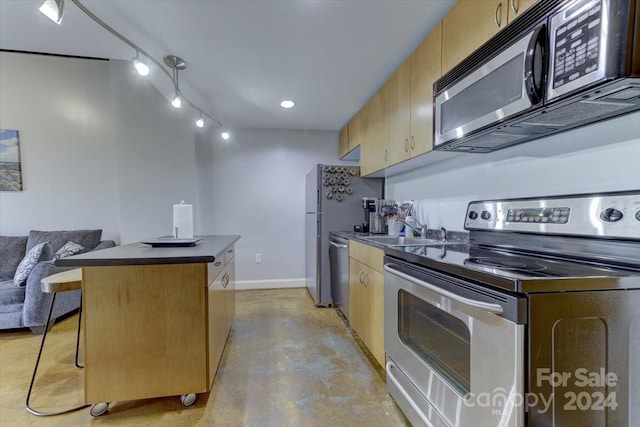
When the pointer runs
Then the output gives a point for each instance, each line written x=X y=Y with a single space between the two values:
x=258 y=258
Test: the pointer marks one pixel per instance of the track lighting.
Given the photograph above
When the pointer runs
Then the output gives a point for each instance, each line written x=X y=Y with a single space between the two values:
x=140 y=66
x=53 y=9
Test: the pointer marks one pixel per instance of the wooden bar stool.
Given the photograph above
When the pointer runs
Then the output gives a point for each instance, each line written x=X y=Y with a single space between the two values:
x=70 y=280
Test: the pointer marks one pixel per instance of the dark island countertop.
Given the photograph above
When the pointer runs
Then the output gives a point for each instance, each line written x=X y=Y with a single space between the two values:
x=206 y=250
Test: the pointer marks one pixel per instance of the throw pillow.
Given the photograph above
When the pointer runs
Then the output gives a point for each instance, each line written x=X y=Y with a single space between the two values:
x=68 y=249
x=40 y=252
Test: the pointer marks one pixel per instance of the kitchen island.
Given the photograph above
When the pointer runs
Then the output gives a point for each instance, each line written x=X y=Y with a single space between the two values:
x=155 y=319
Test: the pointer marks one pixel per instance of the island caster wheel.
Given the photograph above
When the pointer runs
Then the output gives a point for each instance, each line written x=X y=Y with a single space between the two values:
x=98 y=409
x=188 y=399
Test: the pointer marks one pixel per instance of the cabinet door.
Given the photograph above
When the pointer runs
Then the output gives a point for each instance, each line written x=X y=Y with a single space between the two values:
x=216 y=312
x=373 y=150
x=357 y=299
x=343 y=141
x=399 y=113
x=230 y=291
x=354 y=131
x=425 y=70
x=467 y=26
x=373 y=283
x=516 y=7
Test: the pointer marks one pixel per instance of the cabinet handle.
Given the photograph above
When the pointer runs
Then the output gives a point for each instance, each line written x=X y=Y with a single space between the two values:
x=406 y=145
x=386 y=155
x=497 y=16
x=361 y=274
x=225 y=280
x=365 y=280
x=514 y=6
x=413 y=142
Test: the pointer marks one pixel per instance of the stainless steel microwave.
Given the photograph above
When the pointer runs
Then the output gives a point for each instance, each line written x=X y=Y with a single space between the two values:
x=560 y=65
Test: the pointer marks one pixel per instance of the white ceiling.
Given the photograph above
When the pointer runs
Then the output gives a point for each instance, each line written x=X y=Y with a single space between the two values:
x=245 y=56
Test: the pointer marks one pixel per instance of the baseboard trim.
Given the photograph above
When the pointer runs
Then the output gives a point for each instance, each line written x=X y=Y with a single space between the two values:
x=242 y=285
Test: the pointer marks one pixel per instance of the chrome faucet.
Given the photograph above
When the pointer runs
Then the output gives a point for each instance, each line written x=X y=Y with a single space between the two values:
x=443 y=231
x=418 y=228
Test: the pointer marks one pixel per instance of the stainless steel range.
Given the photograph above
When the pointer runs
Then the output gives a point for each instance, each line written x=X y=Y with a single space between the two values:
x=535 y=322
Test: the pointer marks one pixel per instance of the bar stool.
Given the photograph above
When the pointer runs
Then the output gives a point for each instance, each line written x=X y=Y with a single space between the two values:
x=70 y=280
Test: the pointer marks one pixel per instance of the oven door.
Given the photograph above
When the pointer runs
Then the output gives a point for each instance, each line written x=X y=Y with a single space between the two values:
x=453 y=358
x=510 y=83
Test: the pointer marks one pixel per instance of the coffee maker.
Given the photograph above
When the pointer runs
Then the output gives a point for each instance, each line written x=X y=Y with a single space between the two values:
x=370 y=205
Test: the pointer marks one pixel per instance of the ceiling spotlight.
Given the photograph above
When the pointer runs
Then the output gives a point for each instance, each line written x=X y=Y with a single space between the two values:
x=176 y=64
x=287 y=103
x=53 y=9
x=200 y=122
x=225 y=135
x=140 y=66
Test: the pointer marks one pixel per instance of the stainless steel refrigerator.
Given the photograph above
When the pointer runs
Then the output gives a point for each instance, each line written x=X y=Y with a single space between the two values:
x=334 y=203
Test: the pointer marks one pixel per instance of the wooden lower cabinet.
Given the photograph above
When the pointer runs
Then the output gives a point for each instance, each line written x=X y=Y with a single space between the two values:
x=366 y=299
x=154 y=330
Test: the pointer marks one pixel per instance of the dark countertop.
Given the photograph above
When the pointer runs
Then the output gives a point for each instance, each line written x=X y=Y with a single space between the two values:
x=206 y=250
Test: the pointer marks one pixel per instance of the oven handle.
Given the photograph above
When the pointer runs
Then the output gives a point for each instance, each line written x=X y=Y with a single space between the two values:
x=406 y=396
x=491 y=308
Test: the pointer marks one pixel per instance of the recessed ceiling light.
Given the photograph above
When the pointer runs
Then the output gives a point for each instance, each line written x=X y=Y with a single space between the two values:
x=287 y=103
x=225 y=135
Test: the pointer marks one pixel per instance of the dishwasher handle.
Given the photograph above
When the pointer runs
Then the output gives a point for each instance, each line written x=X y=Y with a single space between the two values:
x=486 y=306
x=338 y=246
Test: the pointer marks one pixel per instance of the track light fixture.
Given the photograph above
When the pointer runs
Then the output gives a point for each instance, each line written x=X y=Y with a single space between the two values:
x=53 y=9
x=140 y=66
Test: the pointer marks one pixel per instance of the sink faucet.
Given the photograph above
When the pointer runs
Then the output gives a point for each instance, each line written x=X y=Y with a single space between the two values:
x=443 y=231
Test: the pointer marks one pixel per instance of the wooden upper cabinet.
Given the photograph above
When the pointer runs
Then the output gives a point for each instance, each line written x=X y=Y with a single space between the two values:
x=373 y=150
x=516 y=7
x=425 y=70
x=467 y=26
x=343 y=141
x=354 y=131
x=400 y=113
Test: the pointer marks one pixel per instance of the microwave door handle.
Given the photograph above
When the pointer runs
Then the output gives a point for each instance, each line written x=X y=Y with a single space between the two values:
x=486 y=306
x=535 y=65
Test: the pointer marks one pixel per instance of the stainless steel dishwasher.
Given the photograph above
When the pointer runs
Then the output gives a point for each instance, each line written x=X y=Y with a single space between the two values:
x=339 y=261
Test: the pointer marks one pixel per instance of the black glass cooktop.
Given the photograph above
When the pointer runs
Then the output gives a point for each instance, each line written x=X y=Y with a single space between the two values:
x=465 y=260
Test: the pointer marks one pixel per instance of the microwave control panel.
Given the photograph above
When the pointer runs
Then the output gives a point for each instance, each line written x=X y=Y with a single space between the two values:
x=577 y=43
x=607 y=215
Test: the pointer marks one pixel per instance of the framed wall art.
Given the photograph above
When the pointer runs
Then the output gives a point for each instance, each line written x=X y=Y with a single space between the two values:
x=10 y=168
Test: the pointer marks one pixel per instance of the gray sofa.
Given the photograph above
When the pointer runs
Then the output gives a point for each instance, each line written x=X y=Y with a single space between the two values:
x=27 y=306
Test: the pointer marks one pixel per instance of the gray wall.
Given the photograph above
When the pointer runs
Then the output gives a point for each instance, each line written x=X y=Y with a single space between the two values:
x=100 y=148
x=254 y=185
x=597 y=158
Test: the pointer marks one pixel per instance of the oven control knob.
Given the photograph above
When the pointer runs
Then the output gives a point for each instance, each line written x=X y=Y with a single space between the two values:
x=638 y=216
x=474 y=215
x=611 y=215
x=485 y=215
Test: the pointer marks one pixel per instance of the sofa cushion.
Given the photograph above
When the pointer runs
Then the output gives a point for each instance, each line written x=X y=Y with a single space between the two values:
x=68 y=249
x=40 y=252
x=87 y=238
x=12 y=250
x=10 y=293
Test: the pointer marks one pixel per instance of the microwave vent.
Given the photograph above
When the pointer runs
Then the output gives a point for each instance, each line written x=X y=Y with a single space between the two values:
x=575 y=113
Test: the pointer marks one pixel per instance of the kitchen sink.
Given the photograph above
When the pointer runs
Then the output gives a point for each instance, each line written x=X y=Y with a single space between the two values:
x=403 y=241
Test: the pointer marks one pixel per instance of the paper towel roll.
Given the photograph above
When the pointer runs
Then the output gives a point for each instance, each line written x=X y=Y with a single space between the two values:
x=183 y=221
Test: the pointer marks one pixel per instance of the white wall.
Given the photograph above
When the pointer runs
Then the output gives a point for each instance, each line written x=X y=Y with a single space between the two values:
x=62 y=109
x=254 y=185
x=99 y=148
x=597 y=158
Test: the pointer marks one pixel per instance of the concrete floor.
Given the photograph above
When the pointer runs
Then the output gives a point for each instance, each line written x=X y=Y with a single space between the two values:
x=287 y=363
